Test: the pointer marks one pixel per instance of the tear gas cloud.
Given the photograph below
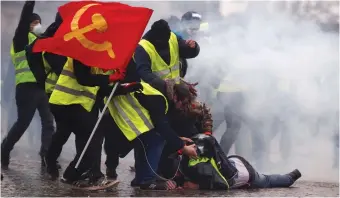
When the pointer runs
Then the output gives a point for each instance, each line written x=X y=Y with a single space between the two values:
x=286 y=65
x=287 y=69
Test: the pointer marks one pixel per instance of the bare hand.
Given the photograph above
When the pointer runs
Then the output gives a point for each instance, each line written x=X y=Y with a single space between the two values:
x=190 y=185
x=191 y=43
x=186 y=139
x=190 y=151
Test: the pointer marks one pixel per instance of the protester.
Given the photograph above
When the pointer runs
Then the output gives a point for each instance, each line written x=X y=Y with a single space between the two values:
x=27 y=87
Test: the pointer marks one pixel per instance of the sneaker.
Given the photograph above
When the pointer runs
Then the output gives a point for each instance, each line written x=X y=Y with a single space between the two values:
x=159 y=185
x=100 y=184
x=295 y=174
x=111 y=174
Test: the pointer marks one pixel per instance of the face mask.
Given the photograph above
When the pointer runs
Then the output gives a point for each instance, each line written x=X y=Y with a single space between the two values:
x=37 y=29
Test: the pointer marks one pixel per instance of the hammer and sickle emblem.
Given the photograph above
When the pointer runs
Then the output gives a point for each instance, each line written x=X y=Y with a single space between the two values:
x=98 y=23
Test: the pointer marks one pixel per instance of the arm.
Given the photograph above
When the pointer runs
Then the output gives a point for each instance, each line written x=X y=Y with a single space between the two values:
x=56 y=62
x=86 y=78
x=143 y=65
x=185 y=51
x=20 y=39
x=156 y=105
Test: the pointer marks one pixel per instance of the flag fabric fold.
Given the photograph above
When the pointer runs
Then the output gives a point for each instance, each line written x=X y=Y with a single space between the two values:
x=98 y=34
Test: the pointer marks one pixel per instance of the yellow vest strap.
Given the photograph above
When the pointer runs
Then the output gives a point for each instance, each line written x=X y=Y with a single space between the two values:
x=125 y=117
x=166 y=71
x=18 y=59
x=50 y=81
x=68 y=73
x=75 y=92
x=138 y=111
x=18 y=71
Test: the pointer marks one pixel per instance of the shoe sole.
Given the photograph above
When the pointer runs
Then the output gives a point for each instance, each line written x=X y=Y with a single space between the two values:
x=96 y=188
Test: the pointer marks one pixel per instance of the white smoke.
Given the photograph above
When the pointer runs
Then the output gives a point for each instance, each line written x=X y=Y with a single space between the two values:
x=256 y=49
x=261 y=50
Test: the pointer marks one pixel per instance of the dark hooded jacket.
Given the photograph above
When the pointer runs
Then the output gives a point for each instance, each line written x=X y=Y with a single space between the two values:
x=204 y=173
x=142 y=59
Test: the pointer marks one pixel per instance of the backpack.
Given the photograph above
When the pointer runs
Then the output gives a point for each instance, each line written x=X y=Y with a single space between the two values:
x=212 y=170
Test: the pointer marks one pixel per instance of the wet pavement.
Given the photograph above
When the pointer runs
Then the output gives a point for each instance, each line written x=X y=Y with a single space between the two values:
x=25 y=177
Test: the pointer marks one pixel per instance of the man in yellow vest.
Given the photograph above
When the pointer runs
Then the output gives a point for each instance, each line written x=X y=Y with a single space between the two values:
x=141 y=116
x=75 y=102
x=29 y=95
x=157 y=55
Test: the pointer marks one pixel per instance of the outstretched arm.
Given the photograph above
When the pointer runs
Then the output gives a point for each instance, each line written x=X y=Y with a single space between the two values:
x=20 y=39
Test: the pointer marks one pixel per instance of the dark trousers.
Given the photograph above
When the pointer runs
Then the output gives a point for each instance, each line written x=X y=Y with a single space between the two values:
x=59 y=139
x=148 y=151
x=115 y=145
x=235 y=117
x=233 y=106
x=81 y=122
x=29 y=98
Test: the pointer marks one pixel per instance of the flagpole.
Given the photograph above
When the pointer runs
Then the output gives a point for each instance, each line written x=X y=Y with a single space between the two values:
x=101 y=114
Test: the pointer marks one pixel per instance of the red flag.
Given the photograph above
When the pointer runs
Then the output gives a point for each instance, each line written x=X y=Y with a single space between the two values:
x=98 y=34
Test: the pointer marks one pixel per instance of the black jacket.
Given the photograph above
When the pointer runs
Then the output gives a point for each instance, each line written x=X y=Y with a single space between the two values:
x=152 y=104
x=143 y=62
x=20 y=39
x=203 y=173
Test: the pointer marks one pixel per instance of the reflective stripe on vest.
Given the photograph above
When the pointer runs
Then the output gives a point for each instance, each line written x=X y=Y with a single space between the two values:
x=68 y=91
x=158 y=66
x=130 y=116
x=73 y=91
x=23 y=72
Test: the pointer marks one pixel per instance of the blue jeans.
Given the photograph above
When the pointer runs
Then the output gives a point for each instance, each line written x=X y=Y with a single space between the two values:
x=271 y=181
x=153 y=145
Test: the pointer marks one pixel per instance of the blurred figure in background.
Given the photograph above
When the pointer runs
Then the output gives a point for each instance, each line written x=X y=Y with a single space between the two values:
x=174 y=23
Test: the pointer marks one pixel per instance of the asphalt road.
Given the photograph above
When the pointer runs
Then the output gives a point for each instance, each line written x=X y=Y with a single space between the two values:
x=25 y=177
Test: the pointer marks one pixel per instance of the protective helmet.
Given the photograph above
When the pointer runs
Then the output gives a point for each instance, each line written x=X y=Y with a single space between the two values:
x=191 y=20
x=188 y=16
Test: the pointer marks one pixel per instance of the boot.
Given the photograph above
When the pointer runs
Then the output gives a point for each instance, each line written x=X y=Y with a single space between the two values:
x=295 y=174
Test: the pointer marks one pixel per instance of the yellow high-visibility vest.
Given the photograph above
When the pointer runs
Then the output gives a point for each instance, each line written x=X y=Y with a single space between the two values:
x=51 y=79
x=68 y=91
x=130 y=116
x=158 y=66
x=194 y=162
x=23 y=72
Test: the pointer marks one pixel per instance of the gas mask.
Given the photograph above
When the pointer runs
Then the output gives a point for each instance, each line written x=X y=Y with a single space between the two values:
x=37 y=29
